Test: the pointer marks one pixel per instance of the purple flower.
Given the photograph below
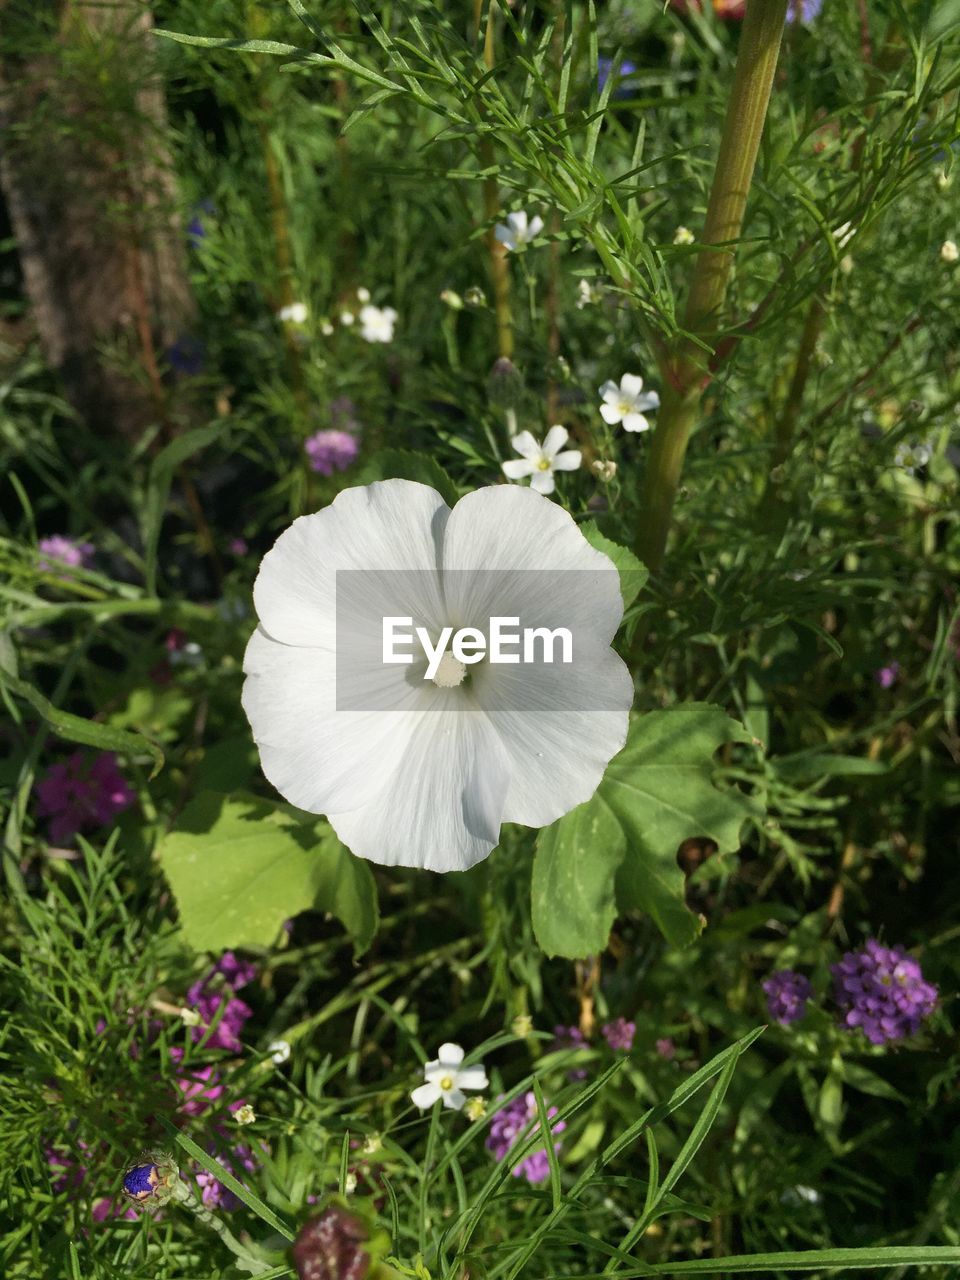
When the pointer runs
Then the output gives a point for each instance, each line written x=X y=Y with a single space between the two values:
x=666 y=1048
x=570 y=1038
x=331 y=451
x=212 y=997
x=619 y=1034
x=604 y=68
x=196 y=228
x=186 y=356
x=238 y=546
x=63 y=552
x=803 y=10
x=888 y=676
x=787 y=995
x=882 y=990
x=507 y=1126
x=213 y=1193
x=77 y=794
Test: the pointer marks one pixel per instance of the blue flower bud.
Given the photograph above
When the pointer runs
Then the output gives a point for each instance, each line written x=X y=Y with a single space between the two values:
x=141 y=1180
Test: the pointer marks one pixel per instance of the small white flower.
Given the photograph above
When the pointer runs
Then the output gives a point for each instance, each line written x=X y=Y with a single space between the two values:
x=245 y=1114
x=587 y=295
x=372 y=1144
x=363 y=295
x=279 y=1051
x=191 y=655
x=604 y=469
x=447 y=1079
x=347 y=318
x=350 y=1184
x=476 y=1108
x=518 y=232
x=377 y=323
x=295 y=313
x=683 y=235
x=628 y=403
x=539 y=461
x=190 y=1017
x=846 y=263
x=844 y=234
x=911 y=457
x=949 y=251
x=326 y=328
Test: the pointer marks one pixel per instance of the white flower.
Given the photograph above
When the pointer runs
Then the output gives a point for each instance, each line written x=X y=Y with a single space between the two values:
x=518 y=232
x=683 y=235
x=245 y=1114
x=347 y=318
x=587 y=294
x=539 y=461
x=628 y=403
x=295 y=313
x=409 y=772
x=604 y=469
x=350 y=1184
x=326 y=328
x=447 y=1079
x=279 y=1051
x=363 y=295
x=949 y=251
x=377 y=323
x=844 y=234
x=911 y=457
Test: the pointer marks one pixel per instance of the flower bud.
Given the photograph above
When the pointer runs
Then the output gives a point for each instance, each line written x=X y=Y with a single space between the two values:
x=340 y=1244
x=504 y=384
x=152 y=1179
x=452 y=299
x=475 y=297
x=604 y=469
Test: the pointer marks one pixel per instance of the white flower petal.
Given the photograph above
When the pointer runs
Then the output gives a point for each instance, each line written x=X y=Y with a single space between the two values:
x=631 y=384
x=472 y=1078
x=611 y=414
x=554 y=440
x=425 y=1095
x=635 y=422
x=505 y=236
x=518 y=224
x=518 y=468
x=536 y=226
x=526 y=445
x=568 y=461
x=454 y=1100
x=440 y=808
x=649 y=400
x=610 y=392
x=450 y=1055
x=543 y=482
x=316 y=757
x=389 y=525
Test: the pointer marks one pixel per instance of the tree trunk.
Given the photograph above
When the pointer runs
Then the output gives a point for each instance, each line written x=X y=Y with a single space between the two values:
x=88 y=181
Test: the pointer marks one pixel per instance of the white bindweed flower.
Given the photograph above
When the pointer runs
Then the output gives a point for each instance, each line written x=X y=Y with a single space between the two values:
x=517 y=232
x=539 y=461
x=911 y=457
x=295 y=313
x=949 y=251
x=446 y=1078
x=279 y=1051
x=421 y=772
x=683 y=235
x=377 y=323
x=628 y=403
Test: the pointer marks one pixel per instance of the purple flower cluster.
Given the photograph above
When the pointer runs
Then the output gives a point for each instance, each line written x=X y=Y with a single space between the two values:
x=787 y=994
x=888 y=676
x=330 y=451
x=619 y=1034
x=213 y=998
x=78 y=793
x=507 y=1126
x=882 y=990
x=57 y=552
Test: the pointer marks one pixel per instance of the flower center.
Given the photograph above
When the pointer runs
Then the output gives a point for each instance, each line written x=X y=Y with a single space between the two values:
x=446 y=1083
x=543 y=464
x=450 y=673
x=625 y=407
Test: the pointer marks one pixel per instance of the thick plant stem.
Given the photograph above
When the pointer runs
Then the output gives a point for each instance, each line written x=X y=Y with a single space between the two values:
x=684 y=366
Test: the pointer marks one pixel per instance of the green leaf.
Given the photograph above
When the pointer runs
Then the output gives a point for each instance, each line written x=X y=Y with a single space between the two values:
x=239 y=866
x=89 y=733
x=661 y=788
x=572 y=893
x=403 y=464
x=633 y=574
x=158 y=490
x=619 y=850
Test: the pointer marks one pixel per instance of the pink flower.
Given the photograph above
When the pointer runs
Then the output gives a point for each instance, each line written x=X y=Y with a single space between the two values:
x=238 y=546
x=666 y=1048
x=63 y=552
x=76 y=794
x=619 y=1034
x=331 y=451
x=213 y=998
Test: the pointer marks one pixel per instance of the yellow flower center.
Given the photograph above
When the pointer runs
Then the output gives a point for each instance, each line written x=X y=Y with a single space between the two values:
x=446 y=1083
x=543 y=464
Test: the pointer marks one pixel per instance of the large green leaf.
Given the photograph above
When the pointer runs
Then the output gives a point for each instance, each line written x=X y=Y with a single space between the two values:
x=633 y=573
x=240 y=866
x=573 y=900
x=619 y=850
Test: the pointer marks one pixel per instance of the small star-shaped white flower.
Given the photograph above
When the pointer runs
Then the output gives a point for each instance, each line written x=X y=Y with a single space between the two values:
x=518 y=232
x=447 y=1079
x=540 y=461
x=377 y=323
x=949 y=251
x=911 y=457
x=628 y=403
x=295 y=313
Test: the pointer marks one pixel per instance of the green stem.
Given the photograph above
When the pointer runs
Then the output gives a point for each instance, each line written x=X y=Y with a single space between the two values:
x=499 y=269
x=685 y=364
